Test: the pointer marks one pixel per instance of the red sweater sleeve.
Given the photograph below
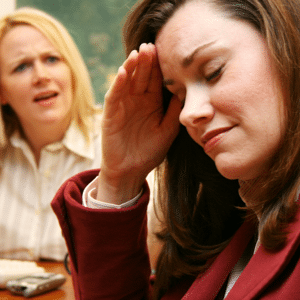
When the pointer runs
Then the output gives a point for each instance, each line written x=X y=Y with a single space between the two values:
x=108 y=250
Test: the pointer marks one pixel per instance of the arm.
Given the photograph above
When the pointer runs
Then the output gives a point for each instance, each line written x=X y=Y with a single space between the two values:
x=108 y=247
x=108 y=251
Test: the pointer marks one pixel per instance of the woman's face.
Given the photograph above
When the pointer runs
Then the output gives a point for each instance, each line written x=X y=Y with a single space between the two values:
x=222 y=71
x=34 y=79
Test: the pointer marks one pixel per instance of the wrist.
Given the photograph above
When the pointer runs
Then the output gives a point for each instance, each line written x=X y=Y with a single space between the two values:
x=118 y=190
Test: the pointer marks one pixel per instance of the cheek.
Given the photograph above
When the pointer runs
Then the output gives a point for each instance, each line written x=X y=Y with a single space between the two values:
x=3 y=98
x=229 y=98
x=67 y=78
x=69 y=88
x=71 y=83
x=63 y=75
x=242 y=95
x=194 y=134
x=12 y=92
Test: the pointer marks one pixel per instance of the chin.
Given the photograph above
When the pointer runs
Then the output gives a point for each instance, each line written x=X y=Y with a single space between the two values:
x=230 y=170
x=55 y=118
x=229 y=173
x=235 y=167
x=234 y=172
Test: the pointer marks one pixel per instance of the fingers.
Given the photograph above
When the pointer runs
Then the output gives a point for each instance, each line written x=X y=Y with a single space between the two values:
x=131 y=62
x=142 y=74
x=121 y=82
x=155 y=83
x=139 y=76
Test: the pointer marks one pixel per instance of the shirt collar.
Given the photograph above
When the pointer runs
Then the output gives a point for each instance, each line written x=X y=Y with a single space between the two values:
x=74 y=140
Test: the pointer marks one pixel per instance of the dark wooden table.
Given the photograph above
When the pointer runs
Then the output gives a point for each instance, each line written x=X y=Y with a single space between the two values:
x=65 y=292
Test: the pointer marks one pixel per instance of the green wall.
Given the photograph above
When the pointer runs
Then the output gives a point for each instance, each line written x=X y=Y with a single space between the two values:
x=96 y=28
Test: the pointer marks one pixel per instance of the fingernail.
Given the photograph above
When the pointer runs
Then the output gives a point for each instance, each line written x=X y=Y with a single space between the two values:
x=142 y=45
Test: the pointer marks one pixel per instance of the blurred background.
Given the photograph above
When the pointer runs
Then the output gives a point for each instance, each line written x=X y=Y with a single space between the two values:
x=96 y=28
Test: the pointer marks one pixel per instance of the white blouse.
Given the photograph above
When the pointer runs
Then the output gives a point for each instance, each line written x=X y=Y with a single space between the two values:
x=28 y=227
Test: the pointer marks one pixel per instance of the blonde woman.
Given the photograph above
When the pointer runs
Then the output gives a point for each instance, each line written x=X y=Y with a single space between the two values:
x=49 y=130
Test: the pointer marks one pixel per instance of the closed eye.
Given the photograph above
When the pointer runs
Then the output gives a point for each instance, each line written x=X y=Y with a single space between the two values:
x=214 y=75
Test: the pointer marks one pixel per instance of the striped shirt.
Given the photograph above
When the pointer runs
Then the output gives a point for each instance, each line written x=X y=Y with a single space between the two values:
x=28 y=227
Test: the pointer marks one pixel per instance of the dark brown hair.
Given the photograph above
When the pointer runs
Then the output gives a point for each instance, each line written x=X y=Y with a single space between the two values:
x=199 y=205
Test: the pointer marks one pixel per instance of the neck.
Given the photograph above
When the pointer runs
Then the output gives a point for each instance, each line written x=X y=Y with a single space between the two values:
x=41 y=136
x=250 y=190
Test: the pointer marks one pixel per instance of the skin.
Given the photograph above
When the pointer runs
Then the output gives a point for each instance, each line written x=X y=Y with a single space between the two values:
x=222 y=71
x=136 y=134
x=37 y=83
x=227 y=92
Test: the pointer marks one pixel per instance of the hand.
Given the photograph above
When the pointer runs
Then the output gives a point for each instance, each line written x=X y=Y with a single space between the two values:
x=136 y=134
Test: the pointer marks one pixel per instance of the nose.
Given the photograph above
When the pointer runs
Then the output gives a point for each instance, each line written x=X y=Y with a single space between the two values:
x=40 y=73
x=197 y=109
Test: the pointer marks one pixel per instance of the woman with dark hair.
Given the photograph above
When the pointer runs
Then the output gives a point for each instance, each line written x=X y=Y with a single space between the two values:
x=229 y=175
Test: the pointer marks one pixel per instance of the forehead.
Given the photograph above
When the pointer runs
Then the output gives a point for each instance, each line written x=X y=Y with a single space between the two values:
x=24 y=37
x=193 y=22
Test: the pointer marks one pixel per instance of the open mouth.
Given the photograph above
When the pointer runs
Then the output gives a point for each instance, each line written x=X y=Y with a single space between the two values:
x=45 y=97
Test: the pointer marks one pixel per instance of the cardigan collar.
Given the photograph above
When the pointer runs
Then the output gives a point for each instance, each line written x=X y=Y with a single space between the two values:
x=252 y=281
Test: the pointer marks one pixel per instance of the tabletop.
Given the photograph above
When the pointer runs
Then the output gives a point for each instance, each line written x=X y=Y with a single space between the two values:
x=65 y=292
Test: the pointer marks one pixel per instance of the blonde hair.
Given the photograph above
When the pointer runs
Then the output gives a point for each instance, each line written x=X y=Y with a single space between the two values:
x=83 y=97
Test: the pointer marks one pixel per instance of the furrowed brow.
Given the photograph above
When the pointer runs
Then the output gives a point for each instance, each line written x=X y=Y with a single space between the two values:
x=187 y=61
x=190 y=58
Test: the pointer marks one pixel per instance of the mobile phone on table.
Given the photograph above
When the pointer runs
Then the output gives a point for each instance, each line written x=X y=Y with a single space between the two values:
x=35 y=284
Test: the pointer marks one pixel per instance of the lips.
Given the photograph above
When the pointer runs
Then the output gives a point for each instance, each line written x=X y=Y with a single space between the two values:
x=211 y=138
x=45 y=96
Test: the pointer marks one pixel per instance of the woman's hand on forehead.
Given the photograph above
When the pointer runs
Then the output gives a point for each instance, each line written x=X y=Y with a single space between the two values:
x=136 y=134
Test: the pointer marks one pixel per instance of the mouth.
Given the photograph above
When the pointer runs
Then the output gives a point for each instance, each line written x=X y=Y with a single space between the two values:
x=211 y=138
x=45 y=96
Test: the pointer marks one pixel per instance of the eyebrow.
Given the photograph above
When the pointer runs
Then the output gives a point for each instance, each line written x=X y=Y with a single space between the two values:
x=21 y=56
x=187 y=61
x=190 y=58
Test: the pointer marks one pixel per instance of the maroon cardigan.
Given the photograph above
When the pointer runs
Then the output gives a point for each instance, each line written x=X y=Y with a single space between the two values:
x=109 y=258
